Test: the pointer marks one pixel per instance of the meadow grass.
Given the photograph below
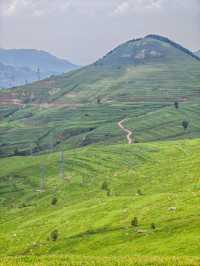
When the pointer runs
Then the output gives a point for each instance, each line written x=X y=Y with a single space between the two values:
x=98 y=261
x=144 y=180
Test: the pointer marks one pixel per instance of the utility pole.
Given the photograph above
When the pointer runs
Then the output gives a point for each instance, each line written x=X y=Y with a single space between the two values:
x=42 y=177
x=62 y=165
x=52 y=143
x=38 y=74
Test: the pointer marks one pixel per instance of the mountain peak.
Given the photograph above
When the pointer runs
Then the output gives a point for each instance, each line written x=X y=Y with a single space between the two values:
x=174 y=44
x=151 y=48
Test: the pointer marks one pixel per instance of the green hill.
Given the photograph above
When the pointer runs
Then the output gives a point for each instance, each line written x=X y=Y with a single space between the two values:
x=101 y=190
x=139 y=80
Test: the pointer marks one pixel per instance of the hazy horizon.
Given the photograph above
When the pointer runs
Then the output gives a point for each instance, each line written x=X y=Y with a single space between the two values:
x=83 y=32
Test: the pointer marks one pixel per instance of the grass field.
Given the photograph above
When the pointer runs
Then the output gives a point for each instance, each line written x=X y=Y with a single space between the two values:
x=157 y=183
x=98 y=261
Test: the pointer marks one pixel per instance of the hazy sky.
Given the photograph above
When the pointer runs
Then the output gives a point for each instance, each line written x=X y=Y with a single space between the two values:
x=84 y=30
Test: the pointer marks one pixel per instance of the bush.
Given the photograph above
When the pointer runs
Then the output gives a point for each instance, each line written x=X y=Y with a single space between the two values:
x=153 y=226
x=98 y=100
x=54 y=201
x=104 y=186
x=185 y=124
x=54 y=235
x=176 y=105
x=134 y=222
x=109 y=193
x=139 y=192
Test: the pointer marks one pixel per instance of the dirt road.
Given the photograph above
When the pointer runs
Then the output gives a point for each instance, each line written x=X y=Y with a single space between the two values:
x=129 y=133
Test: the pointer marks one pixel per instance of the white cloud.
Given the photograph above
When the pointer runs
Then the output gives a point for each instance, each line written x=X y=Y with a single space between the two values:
x=84 y=30
x=121 y=9
x=8 y=8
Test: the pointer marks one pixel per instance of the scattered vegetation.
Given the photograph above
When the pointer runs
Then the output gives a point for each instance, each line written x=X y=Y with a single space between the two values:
x=135 y=222
x=54 y=201
x=153 y=226
x=54 y=235
x=185 y=124
x=84 y=217
x=176 y=104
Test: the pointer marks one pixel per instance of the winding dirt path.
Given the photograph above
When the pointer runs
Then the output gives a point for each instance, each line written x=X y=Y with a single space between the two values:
x=129 y=133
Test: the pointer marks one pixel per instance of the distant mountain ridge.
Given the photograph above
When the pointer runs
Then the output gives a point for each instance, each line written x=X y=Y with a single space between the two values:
x=11 y=76
x=27 y=65
x=197 y=53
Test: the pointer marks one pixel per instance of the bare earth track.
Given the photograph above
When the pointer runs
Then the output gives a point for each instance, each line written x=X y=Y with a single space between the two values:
x=129 y=133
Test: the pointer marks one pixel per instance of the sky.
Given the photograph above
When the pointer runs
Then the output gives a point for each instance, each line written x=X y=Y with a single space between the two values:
x=84 y=30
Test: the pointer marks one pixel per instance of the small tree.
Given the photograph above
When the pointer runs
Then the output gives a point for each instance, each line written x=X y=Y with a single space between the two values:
x=62 y=165
x=185 y=124
x=135 y=222
x=54 y=235
x=42 y=176
x=16 y=151
x=104 y=186
x=109 y=193
x=98 y=100
x=153 y=226
x=139 y=192
x=54 y=201
x=176 y=104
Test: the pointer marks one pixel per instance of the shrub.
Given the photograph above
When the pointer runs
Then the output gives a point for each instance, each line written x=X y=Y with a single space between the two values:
x=176 y=105
x=98 y=100
x=104 y=186
x=139 y=192
x=134 y=222
x=54 y=235
x=153 y=226
x=109 y=193
x=54 y=201
x=16 y=151
x=185 y=124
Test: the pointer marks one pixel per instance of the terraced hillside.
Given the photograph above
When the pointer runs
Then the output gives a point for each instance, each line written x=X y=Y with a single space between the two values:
x=98 y=191
x=138 y=80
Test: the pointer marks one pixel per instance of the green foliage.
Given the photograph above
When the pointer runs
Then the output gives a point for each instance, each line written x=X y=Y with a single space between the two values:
x=185 y=124
x=135 y=222
x=105 y=186
x=54 y=201
x=176 y=104
x=139 y=192
x=168 y=173
x=153 y=226
x=54 y=235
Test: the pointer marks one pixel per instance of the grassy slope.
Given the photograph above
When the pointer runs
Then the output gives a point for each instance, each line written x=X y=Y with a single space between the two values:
x=135 y=91
x=97 y=124
x=90 y=222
